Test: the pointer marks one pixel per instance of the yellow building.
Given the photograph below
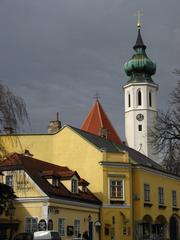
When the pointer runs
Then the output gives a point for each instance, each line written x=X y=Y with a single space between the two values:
x=139 y=198
x=48 y=197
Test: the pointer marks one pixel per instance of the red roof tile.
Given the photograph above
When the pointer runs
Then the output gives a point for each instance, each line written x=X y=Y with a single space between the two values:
x=37 y=169
x=97 y=120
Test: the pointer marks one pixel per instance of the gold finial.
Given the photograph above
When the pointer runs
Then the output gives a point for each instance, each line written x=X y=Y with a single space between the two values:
x=97 y=96
x=139 y=14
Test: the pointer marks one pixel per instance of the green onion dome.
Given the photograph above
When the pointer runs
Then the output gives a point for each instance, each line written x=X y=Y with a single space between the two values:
x=140 y=68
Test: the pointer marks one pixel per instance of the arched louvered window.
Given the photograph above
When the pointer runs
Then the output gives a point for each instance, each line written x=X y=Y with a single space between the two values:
x=139 y=98
x=150 y=99
x=129 y=100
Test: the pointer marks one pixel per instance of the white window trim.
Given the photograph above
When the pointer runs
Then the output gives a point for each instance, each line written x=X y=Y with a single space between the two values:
x=72 y=186
x=174 y=205
x=145 y=200
x=35 y=217
x=161 y=195
x=77 y=227
x=62 y=228
x=116 y=178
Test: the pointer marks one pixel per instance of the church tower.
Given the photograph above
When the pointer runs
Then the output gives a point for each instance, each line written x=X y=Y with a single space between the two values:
x=140 y=99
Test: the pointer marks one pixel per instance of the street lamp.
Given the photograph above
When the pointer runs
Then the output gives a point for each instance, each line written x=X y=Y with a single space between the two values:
x=90 y=227
x=11 y=210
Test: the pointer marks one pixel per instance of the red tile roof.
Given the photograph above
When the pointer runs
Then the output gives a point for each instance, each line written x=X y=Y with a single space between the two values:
x=97 y=120
x=38 y=170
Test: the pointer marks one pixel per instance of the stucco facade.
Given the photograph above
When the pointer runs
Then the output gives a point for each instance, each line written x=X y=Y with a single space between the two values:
x=136 y=193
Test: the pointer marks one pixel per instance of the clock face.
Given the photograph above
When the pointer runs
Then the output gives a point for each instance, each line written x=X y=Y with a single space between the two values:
x=140 y=117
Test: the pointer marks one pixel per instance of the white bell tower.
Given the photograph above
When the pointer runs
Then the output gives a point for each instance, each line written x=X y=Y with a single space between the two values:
x=140 y=94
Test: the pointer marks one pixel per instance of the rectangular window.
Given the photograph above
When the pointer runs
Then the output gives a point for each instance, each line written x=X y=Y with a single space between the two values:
x=116 y=188
x=140 y=127
x=31 y=225
x=61 y=226
x=74 y=186
x=146 y=192
x=174 y=198
x=9 y=180
x=76 y=227
x=161 y=195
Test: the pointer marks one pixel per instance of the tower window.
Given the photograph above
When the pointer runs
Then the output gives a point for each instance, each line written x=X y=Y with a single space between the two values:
x=140 y=127
x=139 y=98
x=150 y=99
x=129 y=100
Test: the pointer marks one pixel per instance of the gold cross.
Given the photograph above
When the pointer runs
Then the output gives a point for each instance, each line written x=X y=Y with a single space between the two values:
x=139 y=14
x=97 y=96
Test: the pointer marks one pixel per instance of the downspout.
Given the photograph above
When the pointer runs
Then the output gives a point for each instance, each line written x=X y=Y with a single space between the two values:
x=132 y=202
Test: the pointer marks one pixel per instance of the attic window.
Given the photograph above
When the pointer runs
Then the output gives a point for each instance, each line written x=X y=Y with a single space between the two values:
x=84 y=188
x=55 y=182
x=74 y=186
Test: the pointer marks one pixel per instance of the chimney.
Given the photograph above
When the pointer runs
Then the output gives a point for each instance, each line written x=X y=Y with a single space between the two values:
x=27 y=153
x=54 y=126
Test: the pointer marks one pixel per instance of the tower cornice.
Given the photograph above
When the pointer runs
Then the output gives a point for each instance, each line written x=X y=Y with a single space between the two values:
x=141 y=84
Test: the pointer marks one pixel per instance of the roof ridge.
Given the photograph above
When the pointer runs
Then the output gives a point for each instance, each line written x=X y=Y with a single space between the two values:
x=99 y=108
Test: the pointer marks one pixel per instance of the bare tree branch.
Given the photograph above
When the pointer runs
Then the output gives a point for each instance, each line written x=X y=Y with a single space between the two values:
x=13 y=113
x=165 y=137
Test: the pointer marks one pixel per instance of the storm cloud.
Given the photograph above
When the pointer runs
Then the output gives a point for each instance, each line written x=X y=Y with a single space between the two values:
x=57 y=54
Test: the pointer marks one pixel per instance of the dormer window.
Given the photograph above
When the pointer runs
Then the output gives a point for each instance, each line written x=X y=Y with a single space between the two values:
x=55 y=182
x=74 y=186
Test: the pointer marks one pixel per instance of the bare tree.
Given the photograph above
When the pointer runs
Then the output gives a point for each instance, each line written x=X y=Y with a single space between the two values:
x=12 y=109
x=13 y=112
x=166 y=133
x=6 y=195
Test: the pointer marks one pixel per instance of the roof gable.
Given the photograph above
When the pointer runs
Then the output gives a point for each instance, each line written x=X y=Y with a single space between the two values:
x=39 y=170
x=98 y=120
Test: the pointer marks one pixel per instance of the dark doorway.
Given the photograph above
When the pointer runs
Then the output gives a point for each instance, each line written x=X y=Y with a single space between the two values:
x=173 y=228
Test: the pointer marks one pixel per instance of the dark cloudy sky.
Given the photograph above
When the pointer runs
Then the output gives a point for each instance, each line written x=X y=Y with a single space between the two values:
x=57 y=54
